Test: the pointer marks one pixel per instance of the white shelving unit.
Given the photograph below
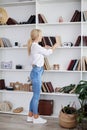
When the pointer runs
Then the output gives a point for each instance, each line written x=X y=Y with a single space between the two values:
x=69 y=31
x=84 y=33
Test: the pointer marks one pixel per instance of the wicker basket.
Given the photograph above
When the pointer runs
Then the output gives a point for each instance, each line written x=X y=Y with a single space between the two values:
x=67 y=120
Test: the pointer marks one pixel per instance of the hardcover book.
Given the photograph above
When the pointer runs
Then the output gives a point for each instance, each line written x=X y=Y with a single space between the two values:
x=41 y=18
x=78 y=41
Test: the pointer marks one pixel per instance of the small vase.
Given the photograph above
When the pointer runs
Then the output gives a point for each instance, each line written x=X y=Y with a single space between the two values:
x=60 y=19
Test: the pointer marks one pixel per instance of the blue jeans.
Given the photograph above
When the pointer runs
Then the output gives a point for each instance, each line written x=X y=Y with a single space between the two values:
x=35 y=77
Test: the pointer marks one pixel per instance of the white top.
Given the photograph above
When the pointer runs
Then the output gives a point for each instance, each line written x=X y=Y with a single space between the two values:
x=37 y=54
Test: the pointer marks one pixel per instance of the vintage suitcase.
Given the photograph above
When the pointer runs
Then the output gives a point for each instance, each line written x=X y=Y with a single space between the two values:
x=45 y=107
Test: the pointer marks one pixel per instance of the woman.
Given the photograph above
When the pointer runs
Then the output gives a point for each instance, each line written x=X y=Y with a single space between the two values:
x=37 y=54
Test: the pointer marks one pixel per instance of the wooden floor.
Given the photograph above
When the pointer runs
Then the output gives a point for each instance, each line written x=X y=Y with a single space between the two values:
x=18 y=122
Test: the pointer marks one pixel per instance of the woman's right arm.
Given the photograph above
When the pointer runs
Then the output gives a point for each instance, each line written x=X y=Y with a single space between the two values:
x=47 y=50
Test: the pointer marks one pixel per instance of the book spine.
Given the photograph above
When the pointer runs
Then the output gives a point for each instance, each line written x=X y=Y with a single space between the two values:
x=47 y=41
x=73 y=19
x=78 y=41
x=71 y=64
x=75 y=65
x=50 y=86
x=40 y=20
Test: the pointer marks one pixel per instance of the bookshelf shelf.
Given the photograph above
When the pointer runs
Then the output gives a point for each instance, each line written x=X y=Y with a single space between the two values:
x=23 y=3
x=61 y=71
x=17 y=25
x=13 y=48
x=57 y=23
x=73 y=47
x=42 y=93
x=56 y=1
x=15 y=70
x=25 y=48
x=59 y=94
x=11 y=112
x=16 y=92
x=46 y=71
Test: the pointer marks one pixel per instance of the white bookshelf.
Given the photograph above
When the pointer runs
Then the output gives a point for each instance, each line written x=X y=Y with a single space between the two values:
x=69 y=31
x=84 y=33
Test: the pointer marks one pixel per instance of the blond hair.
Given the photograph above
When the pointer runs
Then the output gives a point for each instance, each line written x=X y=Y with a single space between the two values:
x=33 y=36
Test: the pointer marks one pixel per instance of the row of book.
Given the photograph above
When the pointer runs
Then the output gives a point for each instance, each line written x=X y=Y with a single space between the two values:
x=74 y=64
x=78 y=41
x=84 y=63
x=5 y=42
x=47 y=87
x=76 y=16
x=50 y=40
x=31 y=20
x=42 y=19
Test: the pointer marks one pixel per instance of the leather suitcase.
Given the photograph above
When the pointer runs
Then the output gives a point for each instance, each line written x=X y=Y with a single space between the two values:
x=45 y=107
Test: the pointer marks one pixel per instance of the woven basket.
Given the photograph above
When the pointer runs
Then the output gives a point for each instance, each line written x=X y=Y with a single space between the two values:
x=3 y=16
x=67 y=120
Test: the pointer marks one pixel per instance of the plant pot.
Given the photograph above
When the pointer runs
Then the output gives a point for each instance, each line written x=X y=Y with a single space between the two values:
x=67 y=120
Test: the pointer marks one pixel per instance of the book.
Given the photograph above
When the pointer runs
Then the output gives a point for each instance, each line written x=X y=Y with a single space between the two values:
x=50 y=86
x=84 y=40
x=45 y=86
x=53 y=40
x=1 y=43
x=42 y=43
x=51 y=43
x=58 y=40
x=76 y=64
x=46 y=64
x=75 y=16
x=85 y=15
x=47 y=41
x=32 y=19
x=83 y=63
x=71 y=64
x=41 y=18
x=78 y=41
x=79 y=65
x=78 y=18
x=44 y=18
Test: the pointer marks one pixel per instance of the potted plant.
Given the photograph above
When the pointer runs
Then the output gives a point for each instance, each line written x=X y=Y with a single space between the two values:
x=81 y=90
x=67 y=117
